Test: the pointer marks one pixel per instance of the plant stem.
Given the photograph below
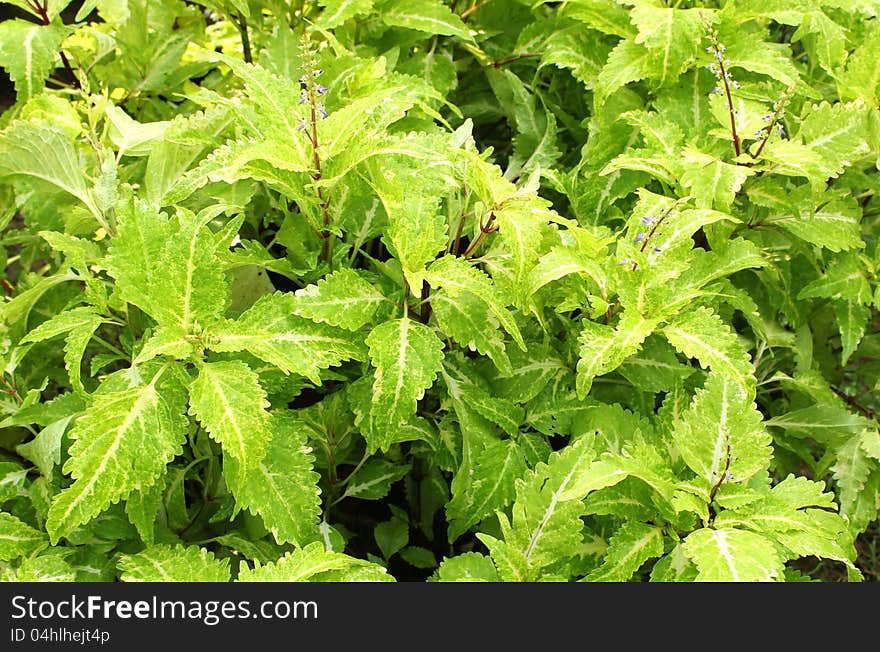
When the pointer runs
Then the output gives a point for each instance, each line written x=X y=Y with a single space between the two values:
x=241 y=23
x=485 y=229
x=724 y=475
x=521 y=57
x=323 y=200
x=736 y=144
x=42 y=10
x=425 y=312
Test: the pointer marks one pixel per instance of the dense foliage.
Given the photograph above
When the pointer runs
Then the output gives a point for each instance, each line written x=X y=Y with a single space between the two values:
x=503 y=290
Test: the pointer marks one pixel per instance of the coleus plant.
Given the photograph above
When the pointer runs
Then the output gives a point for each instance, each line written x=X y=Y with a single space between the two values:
x=456 y=291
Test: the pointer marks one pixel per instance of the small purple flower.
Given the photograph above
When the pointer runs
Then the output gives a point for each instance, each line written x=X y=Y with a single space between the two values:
x=715 y=91
x=303 y=97
x=640 y=236
x=322 y=111
x=767 y=118
x=318 y=73
x=647 y=220
x=320 y=90
x=302 y=124
x=623 y=262
x=781 y=129
x=656 y=249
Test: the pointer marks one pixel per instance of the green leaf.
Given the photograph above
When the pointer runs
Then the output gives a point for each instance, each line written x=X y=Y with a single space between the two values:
x=407 y=356
x=732 y=555
x=655 y=368
x=466 y=567
x=628 y=62
x=270 y=331
x=283 y=487
x=183 y=142
x=315 y=564
x=131 y=137
x=679 y=226
x=391 y=536
x=46 y=153
x=792 y=158
x=143 y=508
x=430 y=16
x=276 y=102
x=721 y=437
x=825 y=37
x=18 y=539
x=833 y=225
x=605 y=16
x=631 y=546
x=852 y=322
x=141 y=233
x=418 y=557
x=336 y=12
x=852 y=467
x=344 y=299
x=27 y=52
x=546 y=527
x=44 y=450
x=229 y=401
x=50 y=566
x=64 y=322
x=837 y=132
x=456 y=276
x=861 y=79
x=468 y=319
x=121 y=443
x=672 y=37
x=822 y=422
x=374 y=479
x=74 y=349
x=488 y=488
x=712 y=182
x=189 y=285
x=843 y=280
x=575 y=49
x=701 y=334
x=166 y=563
x=170 y=341
x=417 y=233
x=603 y=348
x=771 y=59
x=558 y=263
x=598 y=475
x=803 y=532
